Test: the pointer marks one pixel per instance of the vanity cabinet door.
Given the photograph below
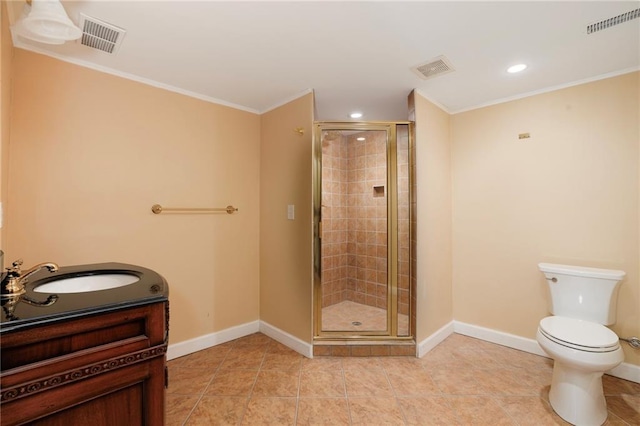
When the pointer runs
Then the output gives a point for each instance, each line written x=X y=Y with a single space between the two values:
x=120 y=400
x=100 y=371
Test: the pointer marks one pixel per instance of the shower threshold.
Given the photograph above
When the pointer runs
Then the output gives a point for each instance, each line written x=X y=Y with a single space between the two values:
x=364 y=348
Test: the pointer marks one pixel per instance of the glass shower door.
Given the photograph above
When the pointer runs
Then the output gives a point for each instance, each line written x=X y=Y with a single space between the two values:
x=359 y=261
x=354 y=230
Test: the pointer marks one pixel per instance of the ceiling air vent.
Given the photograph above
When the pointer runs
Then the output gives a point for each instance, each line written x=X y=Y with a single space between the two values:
x=437 y=66
x=100 y=35
x=616 y=20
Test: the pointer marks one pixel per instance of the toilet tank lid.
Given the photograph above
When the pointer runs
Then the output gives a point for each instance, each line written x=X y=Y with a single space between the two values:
x=582 y=271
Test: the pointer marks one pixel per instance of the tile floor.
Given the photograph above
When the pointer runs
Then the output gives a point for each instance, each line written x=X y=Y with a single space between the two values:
x=463 y=381
x=340 y=317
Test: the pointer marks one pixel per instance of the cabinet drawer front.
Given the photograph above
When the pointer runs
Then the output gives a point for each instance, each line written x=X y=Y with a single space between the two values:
x=29 y=347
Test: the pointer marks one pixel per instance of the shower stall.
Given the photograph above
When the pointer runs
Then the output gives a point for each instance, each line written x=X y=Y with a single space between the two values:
x=364 y=210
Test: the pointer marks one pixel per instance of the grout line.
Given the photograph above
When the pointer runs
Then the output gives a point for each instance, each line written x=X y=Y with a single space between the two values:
x=295 y=414
x=346 y=393
x=495 y=399
x=244 y=412
x=395 y=395
x=496 y=396
x=205 y=388
x=447 y=401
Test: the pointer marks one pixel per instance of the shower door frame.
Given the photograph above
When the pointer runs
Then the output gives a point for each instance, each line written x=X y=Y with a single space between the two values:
x=391 y=331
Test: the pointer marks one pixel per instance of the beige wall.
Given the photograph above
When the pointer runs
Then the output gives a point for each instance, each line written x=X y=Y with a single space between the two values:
x=433 y=176
x=569 y=194
x=6 y=56
x=285 y=245
x=90 y=153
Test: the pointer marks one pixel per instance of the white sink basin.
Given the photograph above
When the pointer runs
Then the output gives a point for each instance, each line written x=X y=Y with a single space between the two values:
x=87 y=283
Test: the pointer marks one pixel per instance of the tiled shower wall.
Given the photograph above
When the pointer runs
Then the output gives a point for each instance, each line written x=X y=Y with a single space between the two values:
x=354 y=224
x=334 y=222
x=367 y=219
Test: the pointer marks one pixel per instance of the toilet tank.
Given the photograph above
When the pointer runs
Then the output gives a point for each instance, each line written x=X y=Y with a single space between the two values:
x=589 y=294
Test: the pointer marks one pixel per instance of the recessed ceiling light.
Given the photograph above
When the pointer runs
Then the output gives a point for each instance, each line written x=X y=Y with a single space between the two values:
x=360 y=138
x=355 y=115
x=516 y=68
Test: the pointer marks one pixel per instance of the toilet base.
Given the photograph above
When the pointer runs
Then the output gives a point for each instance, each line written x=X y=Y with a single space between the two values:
x=577 y=396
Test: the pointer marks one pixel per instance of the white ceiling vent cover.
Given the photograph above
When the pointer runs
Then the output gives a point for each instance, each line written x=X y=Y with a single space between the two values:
x=436 y=66
x=100 y=35
x=616 y=20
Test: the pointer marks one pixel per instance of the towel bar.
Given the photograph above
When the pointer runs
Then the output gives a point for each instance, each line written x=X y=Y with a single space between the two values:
x=157 y=209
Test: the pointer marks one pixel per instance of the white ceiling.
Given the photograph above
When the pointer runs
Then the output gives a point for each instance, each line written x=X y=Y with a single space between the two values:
x=356 y=55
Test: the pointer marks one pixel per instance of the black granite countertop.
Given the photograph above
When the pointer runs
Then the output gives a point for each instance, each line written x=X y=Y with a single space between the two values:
x=18 y=314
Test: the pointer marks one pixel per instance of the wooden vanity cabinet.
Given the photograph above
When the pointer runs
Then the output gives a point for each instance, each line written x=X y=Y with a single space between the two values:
x=99 y=369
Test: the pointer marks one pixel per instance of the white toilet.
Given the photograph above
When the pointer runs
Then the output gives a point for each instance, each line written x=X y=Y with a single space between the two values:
x=583 y=301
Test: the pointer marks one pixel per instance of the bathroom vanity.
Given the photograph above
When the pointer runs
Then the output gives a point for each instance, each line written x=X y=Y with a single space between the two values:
x=92 y=357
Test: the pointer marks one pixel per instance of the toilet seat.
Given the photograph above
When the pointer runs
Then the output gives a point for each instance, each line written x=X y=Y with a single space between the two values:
x=579 y=335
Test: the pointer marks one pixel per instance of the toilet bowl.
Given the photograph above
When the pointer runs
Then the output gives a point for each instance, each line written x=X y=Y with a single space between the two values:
x=583 y=301
x=582 y=351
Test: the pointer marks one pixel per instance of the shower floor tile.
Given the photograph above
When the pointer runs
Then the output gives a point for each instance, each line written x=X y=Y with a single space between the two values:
x=352 y=316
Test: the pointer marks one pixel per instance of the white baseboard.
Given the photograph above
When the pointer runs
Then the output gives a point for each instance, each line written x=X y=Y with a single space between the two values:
x=209 y=340
x=624 y=371
x=287 y=339
x=203 y=342
x=499 y=337
x=436 y=338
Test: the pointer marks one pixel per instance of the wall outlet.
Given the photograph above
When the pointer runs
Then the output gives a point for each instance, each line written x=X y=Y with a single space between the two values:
x=291 y=212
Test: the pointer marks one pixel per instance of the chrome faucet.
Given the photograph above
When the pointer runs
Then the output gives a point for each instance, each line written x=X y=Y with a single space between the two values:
x=15 y=279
